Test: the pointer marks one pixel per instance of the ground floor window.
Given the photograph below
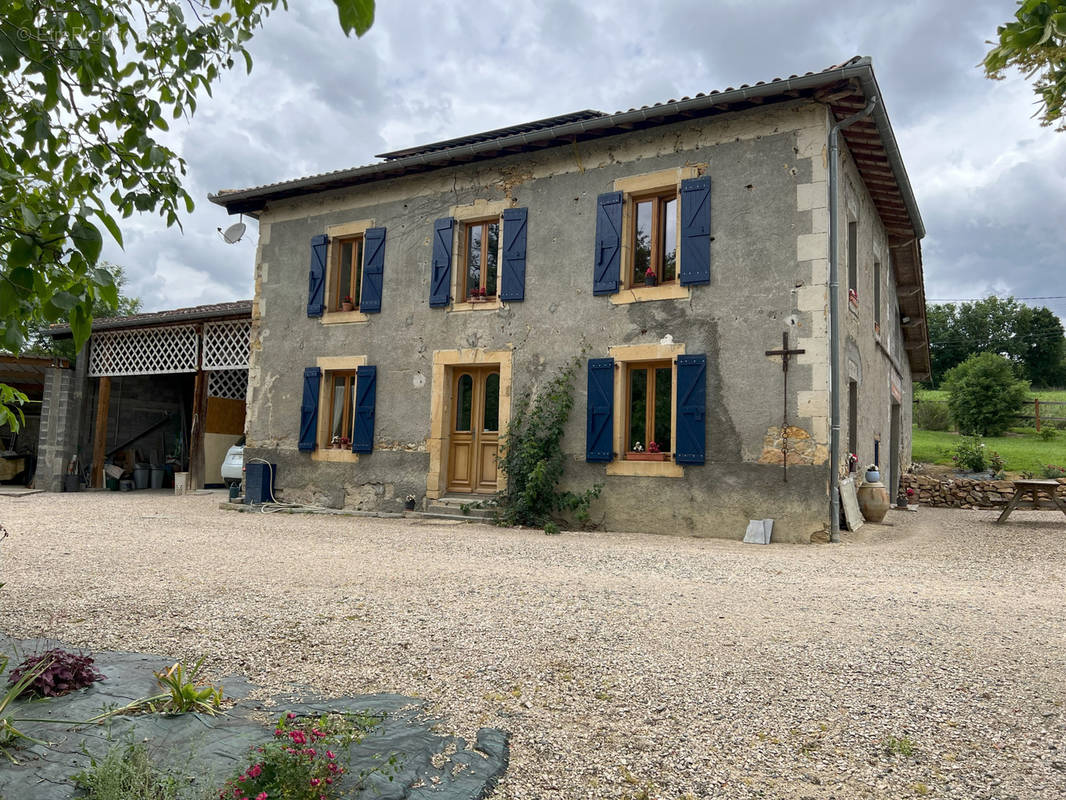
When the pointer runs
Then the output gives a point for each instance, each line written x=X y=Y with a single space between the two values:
x=341 y=387
x=649 y=412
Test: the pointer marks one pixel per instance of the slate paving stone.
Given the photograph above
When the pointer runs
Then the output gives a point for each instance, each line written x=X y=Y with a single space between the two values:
x=210 y=749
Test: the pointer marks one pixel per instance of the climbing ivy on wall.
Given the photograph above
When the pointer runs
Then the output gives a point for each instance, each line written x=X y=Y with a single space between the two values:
x=532 y=459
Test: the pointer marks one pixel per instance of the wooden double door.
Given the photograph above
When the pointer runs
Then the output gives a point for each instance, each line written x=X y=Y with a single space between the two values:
x=474 y=439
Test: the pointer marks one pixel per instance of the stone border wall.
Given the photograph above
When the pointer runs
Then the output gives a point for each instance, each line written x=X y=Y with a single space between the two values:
x=941 y=492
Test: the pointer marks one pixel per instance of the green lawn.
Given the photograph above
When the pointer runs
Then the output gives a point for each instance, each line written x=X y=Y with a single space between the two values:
x=1056 y=395
x=1021 y=451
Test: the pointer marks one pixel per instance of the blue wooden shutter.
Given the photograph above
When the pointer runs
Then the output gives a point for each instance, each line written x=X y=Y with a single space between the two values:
x=366 y=380
x=695 y=231
x=309 y=410
x=690 y=430
x=440 y=281
x=316 y=281
x=373 y=270
x=599 y=430
x=608 y=243
x=513 y=286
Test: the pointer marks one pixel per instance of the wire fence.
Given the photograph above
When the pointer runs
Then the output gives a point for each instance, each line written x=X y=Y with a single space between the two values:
x=935 y=414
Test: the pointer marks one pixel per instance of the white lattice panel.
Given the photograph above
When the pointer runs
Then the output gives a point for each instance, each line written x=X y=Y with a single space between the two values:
x=231 y=384
x=144 y=351
x=226 y=344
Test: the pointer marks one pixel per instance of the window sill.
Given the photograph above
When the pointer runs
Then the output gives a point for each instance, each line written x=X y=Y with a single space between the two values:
x=341 y=317
x=643 y=294
x=646 y=469
x=332 y=454
x=494 y=305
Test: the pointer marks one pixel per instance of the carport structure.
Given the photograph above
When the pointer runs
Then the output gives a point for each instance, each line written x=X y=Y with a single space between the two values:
x=168 y=386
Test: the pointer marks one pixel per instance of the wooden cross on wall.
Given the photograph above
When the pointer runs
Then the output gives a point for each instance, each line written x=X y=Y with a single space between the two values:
x=786 y=354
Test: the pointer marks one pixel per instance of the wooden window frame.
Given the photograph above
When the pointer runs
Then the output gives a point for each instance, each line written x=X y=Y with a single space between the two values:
x=649 y=420
x=347 y=424
x=336 y=294
x=462 y=265
x=660 y=198
x=853 y=265
x=877 y=297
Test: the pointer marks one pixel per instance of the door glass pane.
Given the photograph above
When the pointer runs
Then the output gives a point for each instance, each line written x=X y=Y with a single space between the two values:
x=344 y=281
x=491 y=256
x=669 y=226
x=663 y=407
x=337 y=404
x=638 y=408
x=463 y=401
x=357 y=271
x=492 y=403
x=642 y=241
x=473 y=257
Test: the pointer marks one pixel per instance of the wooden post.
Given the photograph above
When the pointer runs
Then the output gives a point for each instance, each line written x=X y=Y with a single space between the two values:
x=196 y=435
x=103 y=406
x=1036 y=405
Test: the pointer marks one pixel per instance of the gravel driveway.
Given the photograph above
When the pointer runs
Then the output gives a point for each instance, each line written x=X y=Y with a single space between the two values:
x=925 y=657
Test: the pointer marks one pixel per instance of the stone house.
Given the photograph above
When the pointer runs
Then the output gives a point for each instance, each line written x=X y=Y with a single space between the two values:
x=402 y=307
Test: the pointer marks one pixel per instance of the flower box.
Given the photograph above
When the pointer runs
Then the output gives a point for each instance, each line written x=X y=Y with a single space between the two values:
x=647 y=456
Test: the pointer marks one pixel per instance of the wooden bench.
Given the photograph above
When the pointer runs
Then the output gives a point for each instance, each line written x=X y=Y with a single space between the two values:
x=1035 y=488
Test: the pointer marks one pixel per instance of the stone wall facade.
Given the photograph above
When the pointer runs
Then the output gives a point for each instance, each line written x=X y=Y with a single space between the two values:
x=939 y=492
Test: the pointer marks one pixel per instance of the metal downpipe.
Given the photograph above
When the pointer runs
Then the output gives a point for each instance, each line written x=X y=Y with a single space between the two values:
x=834 y=319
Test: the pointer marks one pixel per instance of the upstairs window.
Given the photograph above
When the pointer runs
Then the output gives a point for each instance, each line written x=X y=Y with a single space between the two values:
x=481 y=259
x=654 y=240
x=348 y=274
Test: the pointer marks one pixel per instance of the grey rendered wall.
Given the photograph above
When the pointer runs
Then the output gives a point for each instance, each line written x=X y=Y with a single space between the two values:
x=876 y=360
x=768 y=224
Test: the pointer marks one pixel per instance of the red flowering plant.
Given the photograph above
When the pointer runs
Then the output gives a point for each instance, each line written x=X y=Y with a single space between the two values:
x=306 y=760
x=653 y=447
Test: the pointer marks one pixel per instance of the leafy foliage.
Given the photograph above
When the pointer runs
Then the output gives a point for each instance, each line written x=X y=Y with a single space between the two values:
x=184 y=693
x=87 y=87
x=984 y=395
x=126 y=772
x=533 y=458
x=306 y=760
x=57 y=672
x=10 y=736
x=1035 y=42
x=931 y=415
x=1054 y=471
x=970 y=454
x=1030 y=337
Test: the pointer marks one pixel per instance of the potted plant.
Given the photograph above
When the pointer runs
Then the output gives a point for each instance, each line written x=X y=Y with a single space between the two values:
x=345 y=443
x=653 y=453
x=347 y=304
x=477 y=295
x=409 y=503
x=335 y=443
x=650 y=278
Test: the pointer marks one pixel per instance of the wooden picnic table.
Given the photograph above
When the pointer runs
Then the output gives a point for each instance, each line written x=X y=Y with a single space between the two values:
x=1035 y=488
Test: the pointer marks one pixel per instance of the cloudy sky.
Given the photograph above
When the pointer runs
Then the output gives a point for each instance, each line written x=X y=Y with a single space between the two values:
x=990 y=182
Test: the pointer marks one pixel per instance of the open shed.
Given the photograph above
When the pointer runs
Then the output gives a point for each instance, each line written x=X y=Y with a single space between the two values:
x=166 y=389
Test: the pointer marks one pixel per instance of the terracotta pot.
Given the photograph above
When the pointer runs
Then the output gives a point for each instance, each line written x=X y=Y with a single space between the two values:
x=873 y=501
x=347 y=306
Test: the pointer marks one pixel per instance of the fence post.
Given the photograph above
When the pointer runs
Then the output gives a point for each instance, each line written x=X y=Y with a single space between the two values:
x=1036 y=405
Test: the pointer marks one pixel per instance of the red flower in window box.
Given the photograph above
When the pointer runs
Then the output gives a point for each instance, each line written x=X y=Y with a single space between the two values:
x=650 y=278
x=347 y=304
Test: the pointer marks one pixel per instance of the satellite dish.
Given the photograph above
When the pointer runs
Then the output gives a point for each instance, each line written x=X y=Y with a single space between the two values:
x=233 y=233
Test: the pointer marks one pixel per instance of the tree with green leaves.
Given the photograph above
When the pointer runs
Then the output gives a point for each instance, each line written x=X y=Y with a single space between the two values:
x=984 y=394
x=87 y=87
x=1032 y=338
x=1035 y=42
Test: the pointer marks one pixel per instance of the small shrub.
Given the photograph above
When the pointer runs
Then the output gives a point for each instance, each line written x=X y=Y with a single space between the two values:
x=984 y=395
x=63 y=672
x=305 y=760
x=1047 y=433
x=970 y=454
x=996 y=462
x=127 y=773
x=551 y=528
x=184 y=694
x=932 y=415
x=1054 y=471
x=900 y=746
